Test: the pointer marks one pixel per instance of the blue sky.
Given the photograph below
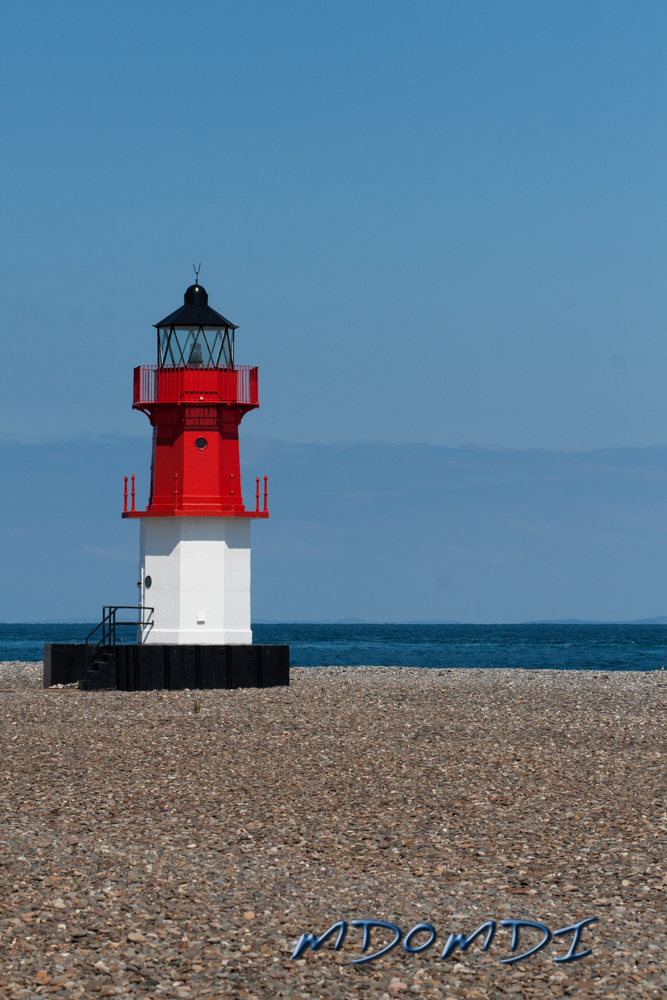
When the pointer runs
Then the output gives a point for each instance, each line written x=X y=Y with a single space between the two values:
x=436 y=223
x=384 y=532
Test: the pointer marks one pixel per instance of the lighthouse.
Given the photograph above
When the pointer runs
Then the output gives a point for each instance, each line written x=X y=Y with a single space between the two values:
x=194 y=563
x=193 y=613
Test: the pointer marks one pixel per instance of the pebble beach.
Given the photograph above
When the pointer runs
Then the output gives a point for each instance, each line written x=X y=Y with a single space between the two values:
x=177 y=844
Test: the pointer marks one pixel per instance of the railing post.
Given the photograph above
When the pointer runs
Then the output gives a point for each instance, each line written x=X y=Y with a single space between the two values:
x=133 y=507
x=266 y=493
x=125 y=497
x=257 y=497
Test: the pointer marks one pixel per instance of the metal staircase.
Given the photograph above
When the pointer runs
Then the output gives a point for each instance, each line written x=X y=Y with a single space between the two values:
x=100 y=670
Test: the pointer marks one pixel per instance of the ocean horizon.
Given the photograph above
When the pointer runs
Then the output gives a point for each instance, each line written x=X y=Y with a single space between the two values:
x=565 y=645
x=660 y=620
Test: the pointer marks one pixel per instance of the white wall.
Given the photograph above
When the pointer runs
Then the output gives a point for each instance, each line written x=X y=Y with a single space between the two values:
x=200 y=579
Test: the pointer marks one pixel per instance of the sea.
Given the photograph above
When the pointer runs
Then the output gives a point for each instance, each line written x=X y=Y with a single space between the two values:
x=527 y=647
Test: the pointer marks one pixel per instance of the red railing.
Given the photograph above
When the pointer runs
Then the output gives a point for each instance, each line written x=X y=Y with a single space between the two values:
x=184 y=384
x=125 y=497
x=266 y=495
x=179 y=505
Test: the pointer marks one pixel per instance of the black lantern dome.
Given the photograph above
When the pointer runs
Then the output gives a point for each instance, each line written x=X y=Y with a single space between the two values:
x=195 y=335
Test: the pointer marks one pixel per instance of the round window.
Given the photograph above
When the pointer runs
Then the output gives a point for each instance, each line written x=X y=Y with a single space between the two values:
x=148 y=581
x=201 y=443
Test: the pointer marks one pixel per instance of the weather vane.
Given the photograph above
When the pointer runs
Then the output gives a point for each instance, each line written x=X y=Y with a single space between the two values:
x=196 y=270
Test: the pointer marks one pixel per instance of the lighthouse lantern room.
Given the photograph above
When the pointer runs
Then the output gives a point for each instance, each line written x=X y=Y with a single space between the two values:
x=194 y=567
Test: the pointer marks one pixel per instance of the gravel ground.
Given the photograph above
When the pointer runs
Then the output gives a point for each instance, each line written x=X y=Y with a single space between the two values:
x=177 y=844
x=19 y=675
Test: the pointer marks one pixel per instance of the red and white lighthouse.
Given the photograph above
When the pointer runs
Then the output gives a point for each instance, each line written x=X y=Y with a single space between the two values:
x=195 y=532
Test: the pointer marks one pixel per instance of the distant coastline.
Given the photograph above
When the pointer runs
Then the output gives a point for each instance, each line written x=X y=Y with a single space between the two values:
x=661 y=620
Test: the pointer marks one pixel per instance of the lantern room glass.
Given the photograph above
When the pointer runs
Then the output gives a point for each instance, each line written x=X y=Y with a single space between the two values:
x=192 y=347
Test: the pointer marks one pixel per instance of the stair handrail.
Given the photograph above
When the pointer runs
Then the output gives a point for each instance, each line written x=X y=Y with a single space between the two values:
x=108 y=626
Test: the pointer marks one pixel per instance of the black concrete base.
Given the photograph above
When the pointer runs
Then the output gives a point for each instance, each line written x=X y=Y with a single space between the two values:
x=156 y=666
x=64 y=662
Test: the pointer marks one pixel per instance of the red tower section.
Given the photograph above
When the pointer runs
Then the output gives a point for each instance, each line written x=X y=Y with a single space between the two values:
x=195 y=398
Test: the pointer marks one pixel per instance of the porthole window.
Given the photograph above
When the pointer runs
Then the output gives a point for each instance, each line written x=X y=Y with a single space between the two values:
x=201 y=443
x=147 y=582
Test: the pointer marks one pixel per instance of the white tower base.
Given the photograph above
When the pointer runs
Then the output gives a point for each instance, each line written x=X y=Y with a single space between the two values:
x=199 y=569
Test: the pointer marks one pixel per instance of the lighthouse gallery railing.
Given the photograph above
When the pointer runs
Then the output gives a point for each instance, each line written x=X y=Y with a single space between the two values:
x=187 y=384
